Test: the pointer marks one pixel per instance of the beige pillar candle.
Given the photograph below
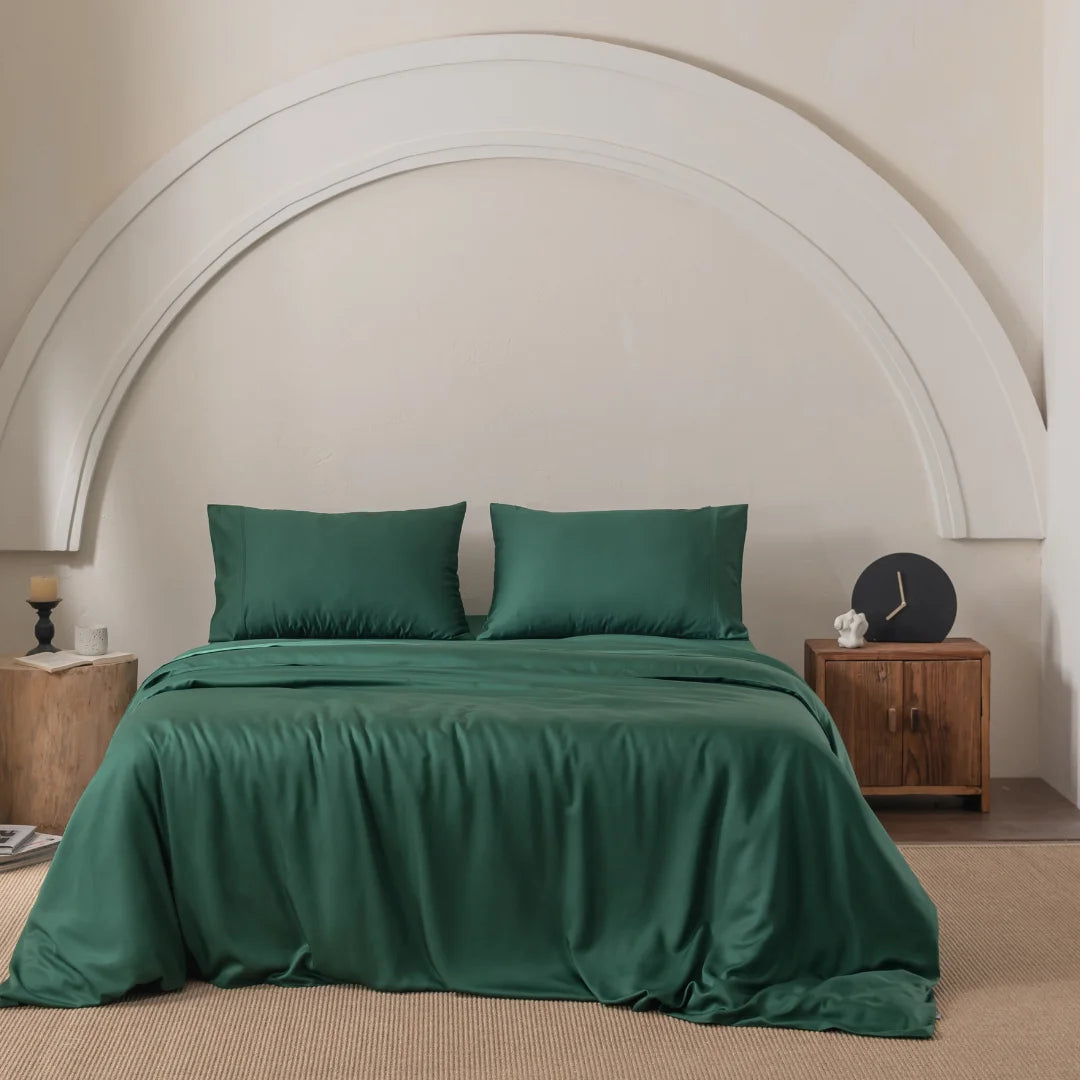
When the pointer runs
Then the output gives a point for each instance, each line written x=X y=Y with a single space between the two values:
x=43 y=589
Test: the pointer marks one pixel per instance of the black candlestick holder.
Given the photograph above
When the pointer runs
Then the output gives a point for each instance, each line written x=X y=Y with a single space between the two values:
x=43 y=628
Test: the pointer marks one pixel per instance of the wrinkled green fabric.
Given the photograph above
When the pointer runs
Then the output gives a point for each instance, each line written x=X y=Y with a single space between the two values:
x=662 y=824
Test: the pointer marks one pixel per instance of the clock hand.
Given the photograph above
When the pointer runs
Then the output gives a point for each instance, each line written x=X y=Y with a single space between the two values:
x=896 y=610
x=900 y=583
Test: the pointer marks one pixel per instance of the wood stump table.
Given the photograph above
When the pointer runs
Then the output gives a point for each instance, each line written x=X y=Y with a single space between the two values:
x=54 y=729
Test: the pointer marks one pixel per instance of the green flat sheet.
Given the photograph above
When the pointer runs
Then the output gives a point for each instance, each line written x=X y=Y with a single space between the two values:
x=646 y=822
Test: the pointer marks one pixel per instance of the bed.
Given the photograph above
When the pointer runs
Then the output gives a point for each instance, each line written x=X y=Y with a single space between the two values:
x=637 y=820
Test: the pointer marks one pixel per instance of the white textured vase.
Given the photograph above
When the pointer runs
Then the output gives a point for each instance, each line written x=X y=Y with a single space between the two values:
x=91 y=640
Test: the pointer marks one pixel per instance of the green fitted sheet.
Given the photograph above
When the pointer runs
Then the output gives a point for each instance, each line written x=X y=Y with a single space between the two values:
x=645 y=822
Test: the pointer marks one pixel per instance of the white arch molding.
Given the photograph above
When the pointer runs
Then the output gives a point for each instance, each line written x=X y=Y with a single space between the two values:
x=971 y=410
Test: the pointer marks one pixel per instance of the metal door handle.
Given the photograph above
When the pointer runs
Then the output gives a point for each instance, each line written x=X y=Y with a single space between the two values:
x=914 y=718
x=892 y=720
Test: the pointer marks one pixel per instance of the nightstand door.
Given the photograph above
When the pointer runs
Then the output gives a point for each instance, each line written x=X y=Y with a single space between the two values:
x=943 y=722
x=865 y=697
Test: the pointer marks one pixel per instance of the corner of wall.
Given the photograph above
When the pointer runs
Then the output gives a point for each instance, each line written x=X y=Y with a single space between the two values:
x=1059 y=736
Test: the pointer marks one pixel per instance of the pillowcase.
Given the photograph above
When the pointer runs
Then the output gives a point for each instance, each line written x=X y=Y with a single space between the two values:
x=672 y=573
x=294 y=574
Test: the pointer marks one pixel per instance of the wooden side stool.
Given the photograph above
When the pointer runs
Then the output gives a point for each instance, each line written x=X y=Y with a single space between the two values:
x=54 y=728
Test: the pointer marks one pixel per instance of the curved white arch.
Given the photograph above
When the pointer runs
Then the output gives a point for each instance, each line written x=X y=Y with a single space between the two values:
x=517 y=95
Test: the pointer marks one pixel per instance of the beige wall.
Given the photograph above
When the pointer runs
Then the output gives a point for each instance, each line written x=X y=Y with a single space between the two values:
x=1061 y=569
x=940 y=96
x=532 y=331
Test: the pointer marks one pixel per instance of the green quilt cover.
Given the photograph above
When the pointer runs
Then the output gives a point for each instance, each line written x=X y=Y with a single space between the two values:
x=645 y=822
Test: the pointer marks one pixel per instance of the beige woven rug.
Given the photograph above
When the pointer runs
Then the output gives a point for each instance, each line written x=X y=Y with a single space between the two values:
x=1010 y=999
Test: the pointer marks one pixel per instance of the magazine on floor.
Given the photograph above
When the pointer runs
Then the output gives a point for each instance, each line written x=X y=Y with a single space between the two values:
x=13 y=837
x=39 y=848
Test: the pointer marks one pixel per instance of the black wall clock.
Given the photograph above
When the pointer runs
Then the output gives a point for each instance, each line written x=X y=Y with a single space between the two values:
x=905 y=597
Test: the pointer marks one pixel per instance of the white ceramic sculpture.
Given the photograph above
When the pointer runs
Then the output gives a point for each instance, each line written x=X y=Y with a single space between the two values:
x=852 y=626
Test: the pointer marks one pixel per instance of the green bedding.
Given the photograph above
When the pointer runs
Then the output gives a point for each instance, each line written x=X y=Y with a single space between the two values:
x=645 y=822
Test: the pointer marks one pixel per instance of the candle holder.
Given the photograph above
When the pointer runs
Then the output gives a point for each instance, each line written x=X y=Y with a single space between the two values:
x=43 y=628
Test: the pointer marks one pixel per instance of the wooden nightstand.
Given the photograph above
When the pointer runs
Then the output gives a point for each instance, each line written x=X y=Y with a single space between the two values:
x=54 y=729
x=915 y=718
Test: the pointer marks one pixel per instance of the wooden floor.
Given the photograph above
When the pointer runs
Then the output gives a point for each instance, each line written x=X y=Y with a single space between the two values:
x=1020 y=809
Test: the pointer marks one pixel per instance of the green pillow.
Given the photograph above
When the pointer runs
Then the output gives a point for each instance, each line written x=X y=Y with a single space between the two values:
x=294 y=574
x=672 y=573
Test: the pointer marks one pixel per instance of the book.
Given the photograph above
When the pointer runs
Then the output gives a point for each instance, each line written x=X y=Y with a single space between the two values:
x=53 y=661
x=106 y=656
x=64 y=659
x=13 y=837
x=39 y=849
